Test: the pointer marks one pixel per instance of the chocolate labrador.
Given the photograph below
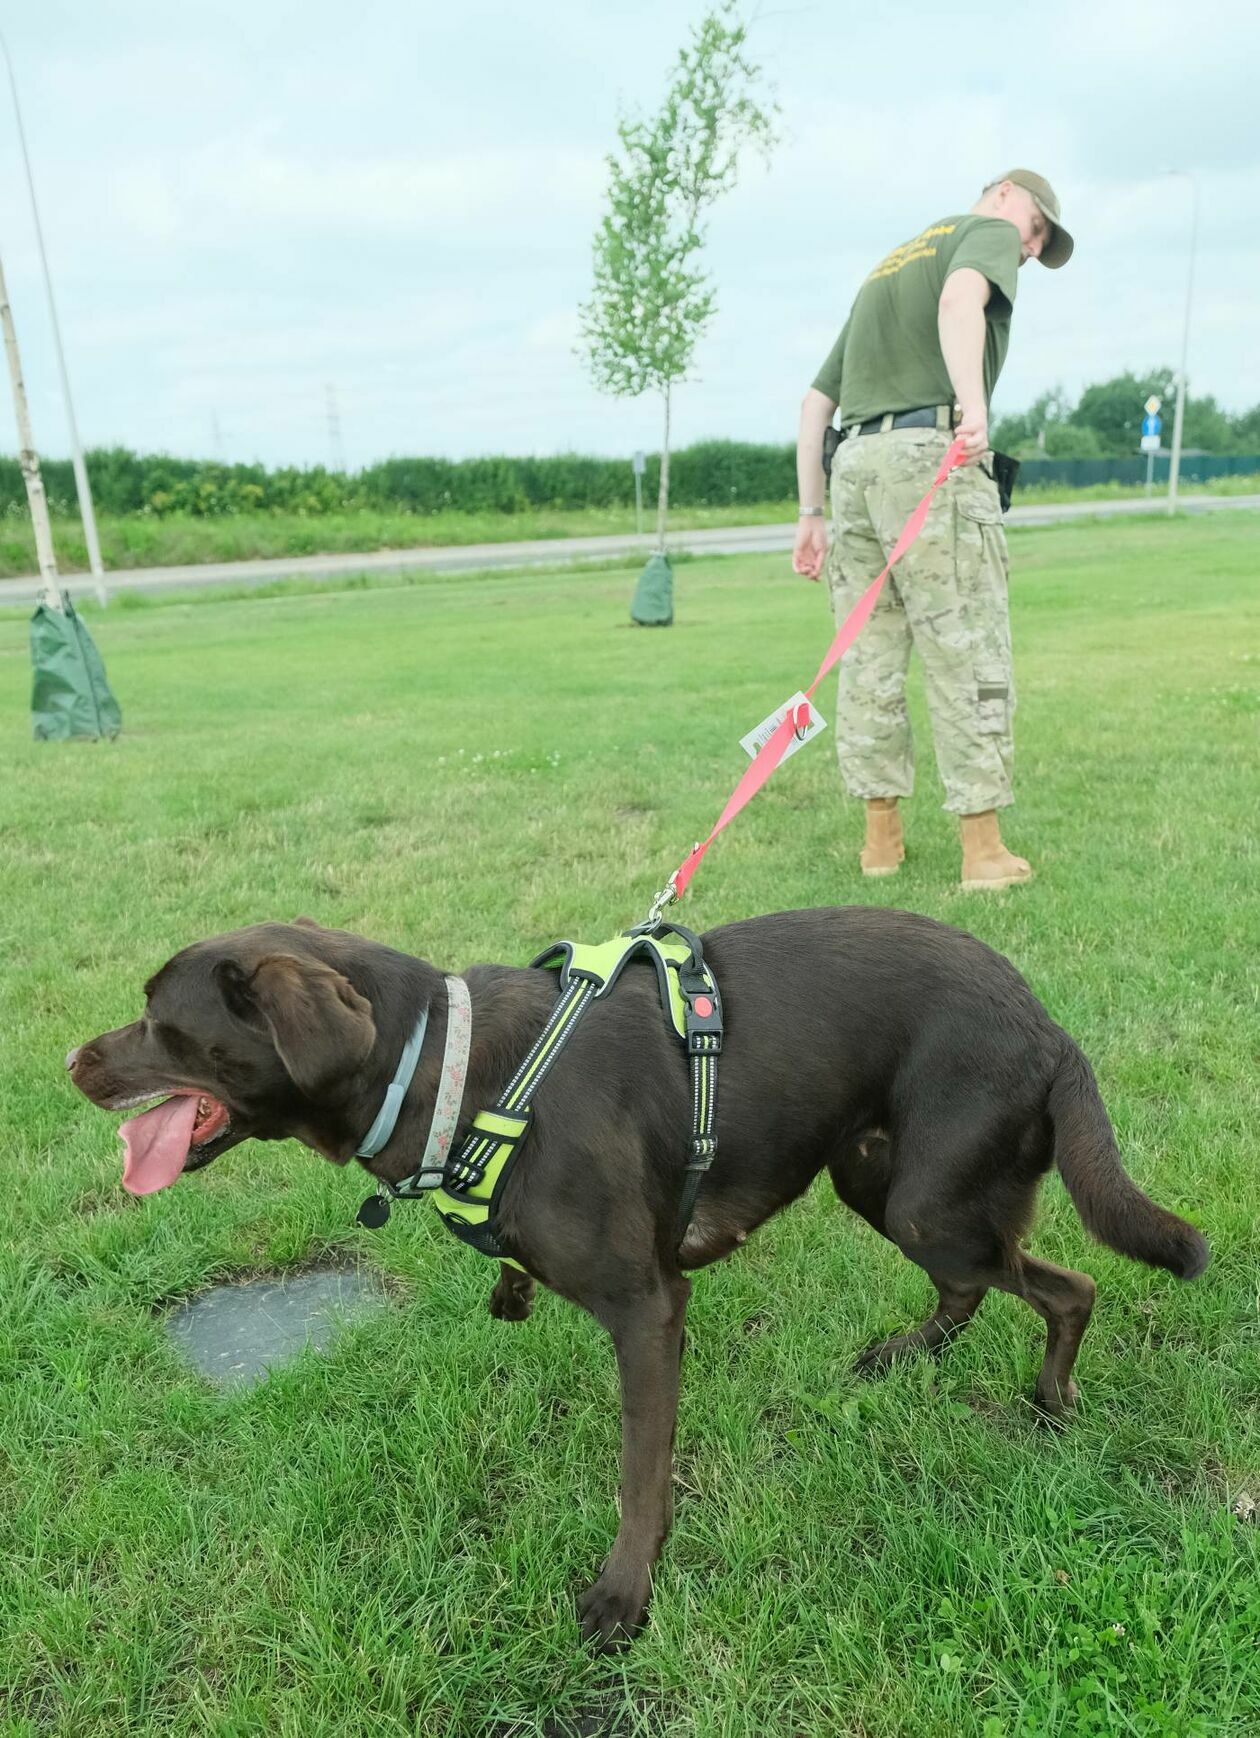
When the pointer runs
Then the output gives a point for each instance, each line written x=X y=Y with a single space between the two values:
x=906 y=1058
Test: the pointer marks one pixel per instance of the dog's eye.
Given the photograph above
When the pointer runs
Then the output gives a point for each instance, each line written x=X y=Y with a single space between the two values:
x=174 y=1042
x=232 y=984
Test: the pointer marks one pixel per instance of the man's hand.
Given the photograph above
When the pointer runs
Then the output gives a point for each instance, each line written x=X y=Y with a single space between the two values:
x=973 y=431
x=817 y=411
x=810 y=550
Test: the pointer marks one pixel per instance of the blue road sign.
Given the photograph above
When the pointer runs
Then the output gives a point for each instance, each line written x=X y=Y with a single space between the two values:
x=1151 y=425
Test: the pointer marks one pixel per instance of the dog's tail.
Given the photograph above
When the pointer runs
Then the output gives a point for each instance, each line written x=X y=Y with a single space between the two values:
x=1110 y=1204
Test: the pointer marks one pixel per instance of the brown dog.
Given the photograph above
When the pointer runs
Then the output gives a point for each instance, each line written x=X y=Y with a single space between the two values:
x=907 y=1058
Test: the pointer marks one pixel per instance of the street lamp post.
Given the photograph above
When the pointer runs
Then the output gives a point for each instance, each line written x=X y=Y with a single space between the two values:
x=82 y=486
x=1174 y=463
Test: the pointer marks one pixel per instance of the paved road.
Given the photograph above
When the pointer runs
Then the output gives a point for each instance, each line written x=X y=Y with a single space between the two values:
x=752 y=539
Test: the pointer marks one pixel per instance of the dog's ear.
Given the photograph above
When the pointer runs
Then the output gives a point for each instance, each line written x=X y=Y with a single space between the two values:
x=306 y=923
x=321 y=1026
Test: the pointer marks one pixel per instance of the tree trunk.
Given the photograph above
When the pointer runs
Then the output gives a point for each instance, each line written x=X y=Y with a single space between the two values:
x=662 y=499
x=29 y=461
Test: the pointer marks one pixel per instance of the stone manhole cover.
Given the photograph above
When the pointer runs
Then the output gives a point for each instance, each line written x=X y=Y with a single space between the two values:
x=237 y=1334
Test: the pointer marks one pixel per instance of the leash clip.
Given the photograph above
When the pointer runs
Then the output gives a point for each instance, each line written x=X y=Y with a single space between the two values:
x=666 y=897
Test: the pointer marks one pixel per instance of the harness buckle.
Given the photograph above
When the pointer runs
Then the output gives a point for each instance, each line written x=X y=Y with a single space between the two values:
x=703 y=1150
x=702 y=1010
x=419 y=1182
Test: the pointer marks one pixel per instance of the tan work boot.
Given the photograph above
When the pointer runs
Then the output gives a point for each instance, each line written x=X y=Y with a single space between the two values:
x=884 y=848
x=987 y=865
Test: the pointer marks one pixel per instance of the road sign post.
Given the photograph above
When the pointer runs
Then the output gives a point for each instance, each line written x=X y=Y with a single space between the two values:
x=1151 y=426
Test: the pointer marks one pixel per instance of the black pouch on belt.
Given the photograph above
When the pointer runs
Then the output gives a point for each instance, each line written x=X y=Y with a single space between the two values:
x=831 y=440
x=1005 y=471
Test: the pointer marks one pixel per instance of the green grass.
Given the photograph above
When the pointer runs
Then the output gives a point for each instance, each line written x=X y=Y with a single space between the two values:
x=181 y=539
x=388 y=1540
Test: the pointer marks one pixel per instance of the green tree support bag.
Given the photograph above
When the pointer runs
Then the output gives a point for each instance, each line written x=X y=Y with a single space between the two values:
x=70 y=695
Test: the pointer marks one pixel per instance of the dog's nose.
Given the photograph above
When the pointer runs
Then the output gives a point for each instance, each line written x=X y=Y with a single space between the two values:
x=72 y=1056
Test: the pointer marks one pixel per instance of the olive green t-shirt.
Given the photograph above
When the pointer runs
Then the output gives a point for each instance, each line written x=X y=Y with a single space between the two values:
x=888 y=357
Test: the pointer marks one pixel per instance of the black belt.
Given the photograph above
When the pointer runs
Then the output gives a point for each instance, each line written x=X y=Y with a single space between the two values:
x=926 y=416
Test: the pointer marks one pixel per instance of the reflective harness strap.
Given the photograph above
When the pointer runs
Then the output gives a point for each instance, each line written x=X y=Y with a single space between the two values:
x=465 y=1201
x=702 y=1032
x=703 y=1143
x=514 y=1100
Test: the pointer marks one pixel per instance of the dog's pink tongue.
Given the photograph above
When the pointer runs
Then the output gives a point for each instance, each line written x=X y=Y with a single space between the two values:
x=157 y=1144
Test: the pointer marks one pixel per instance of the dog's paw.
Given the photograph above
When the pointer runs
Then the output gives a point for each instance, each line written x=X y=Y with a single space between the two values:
x=876 y=1359
x=614 y=1610
x=1053 y=1405
x=509 y=1305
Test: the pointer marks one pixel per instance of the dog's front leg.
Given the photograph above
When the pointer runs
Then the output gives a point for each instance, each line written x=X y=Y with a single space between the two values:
x=513 y=1296
x=647 y=1331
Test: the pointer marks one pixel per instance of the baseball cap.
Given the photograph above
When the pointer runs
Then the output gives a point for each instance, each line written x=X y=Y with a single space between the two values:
x=1059 y=244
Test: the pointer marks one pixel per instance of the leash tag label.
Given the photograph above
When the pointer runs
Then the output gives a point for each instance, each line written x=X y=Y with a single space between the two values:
x=757 y=738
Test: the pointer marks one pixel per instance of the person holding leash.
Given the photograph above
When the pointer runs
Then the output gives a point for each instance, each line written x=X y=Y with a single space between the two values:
x=914 y=366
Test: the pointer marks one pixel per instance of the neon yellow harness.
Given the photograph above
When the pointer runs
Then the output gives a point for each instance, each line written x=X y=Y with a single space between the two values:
x=473 y=1181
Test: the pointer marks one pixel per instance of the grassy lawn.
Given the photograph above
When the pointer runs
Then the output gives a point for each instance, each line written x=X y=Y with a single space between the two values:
x=180 y=539
x=388 y=1540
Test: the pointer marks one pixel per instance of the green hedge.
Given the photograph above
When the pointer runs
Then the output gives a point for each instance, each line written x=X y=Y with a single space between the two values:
x=1084 y=473
x=706 y=474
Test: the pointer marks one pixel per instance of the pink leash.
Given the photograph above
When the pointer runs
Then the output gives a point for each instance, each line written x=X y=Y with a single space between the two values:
x=772 y=752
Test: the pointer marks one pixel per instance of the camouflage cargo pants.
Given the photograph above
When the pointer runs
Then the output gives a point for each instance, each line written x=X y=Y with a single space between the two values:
x=947 y=597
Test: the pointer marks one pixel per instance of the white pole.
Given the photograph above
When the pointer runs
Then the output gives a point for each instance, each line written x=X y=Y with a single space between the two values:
x=1174 y=463
x=82 y=486
x=50 y=593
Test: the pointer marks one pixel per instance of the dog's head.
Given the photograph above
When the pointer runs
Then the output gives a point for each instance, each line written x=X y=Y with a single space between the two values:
x=258 y=1033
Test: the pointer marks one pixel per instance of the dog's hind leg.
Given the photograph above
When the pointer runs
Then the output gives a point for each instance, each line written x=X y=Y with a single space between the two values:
x=512 y=1299
x=958 y=1211
x=1064 y=1300
x=647 y=1331
x=957 y=1304
x=965 y=1260
x=861 y=1175
x=951 y=1256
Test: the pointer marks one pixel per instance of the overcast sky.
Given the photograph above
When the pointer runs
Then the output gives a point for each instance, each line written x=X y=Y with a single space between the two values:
x=245 y=204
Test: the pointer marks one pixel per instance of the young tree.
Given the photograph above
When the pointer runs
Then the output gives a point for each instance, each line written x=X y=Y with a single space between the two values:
x=651 y=300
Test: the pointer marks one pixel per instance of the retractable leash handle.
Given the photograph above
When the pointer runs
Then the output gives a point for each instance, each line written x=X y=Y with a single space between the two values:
x=796 y=720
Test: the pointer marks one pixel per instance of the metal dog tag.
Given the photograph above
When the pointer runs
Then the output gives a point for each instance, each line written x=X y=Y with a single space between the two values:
x=374 y=1212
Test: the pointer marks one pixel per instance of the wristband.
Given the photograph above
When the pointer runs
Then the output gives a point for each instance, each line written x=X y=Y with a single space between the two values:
x=811 y=513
